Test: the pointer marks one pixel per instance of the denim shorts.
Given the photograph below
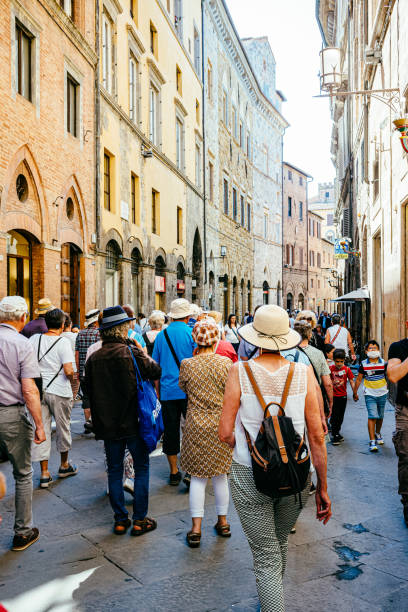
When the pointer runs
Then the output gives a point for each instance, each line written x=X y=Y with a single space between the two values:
x=375 y=406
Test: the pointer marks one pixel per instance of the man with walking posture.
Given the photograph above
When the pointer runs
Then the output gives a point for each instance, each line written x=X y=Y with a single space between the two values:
x=340 y=337
x=18 y=391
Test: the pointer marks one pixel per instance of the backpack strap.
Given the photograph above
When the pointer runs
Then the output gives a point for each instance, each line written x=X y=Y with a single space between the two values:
x=289 y=379
x=173 y=352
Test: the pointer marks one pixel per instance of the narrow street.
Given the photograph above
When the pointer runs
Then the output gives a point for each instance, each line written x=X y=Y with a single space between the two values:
x=358 y=562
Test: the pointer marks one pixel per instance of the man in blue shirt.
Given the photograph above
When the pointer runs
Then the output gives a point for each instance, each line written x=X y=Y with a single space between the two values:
x=171 y=346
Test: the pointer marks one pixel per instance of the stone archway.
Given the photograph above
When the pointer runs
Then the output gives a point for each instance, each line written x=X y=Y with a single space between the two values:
x=197 y=269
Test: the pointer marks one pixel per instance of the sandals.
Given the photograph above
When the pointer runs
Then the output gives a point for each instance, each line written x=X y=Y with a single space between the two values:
x=147 y=524
x=193 y=539
x=223 y=530
x=121 y=527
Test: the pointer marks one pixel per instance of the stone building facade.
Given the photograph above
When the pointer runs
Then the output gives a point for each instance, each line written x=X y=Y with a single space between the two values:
x=47 y=157
x=235 y=109
x=323 y=204
x=371 y=187
x=295 y=237
x=150 y=162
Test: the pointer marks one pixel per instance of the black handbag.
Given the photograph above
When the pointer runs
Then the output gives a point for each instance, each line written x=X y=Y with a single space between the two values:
x=280 y=456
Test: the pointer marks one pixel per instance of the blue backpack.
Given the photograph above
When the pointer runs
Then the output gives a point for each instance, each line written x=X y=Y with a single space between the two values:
x=149 y=410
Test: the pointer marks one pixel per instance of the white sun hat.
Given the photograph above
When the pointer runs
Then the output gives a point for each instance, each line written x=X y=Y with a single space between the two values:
x=180 y=309
x=270 y=329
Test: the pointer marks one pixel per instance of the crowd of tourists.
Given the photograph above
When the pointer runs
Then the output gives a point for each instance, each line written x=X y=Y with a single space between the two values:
x=231 y=403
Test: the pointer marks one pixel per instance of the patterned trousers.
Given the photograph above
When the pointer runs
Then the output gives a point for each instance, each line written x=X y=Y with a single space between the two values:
x=266 y=523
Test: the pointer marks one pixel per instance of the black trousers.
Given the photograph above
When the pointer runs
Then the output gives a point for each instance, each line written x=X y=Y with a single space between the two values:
x=337 y=417
x=172 y=411
x=400 y=440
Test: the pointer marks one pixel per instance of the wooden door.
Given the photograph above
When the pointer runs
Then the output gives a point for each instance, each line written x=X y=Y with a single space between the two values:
x=66 y=278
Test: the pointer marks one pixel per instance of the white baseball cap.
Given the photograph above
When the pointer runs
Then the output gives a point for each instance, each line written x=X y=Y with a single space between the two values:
x=13 y=303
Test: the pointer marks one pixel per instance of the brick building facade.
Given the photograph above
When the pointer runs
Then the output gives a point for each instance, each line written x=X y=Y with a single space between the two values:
x=47 y=220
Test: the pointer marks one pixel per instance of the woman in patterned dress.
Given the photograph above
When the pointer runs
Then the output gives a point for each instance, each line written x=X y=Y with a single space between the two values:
x=203 y=455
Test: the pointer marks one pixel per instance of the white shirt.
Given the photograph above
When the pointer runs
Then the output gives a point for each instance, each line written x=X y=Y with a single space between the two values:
x=93 y=348
x=271 y=384
x=71 y=336
x=231 y=334
x=51 y=363
x=341 y=342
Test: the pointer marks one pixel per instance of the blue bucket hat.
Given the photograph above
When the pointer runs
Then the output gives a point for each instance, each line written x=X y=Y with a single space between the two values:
x=114 y=315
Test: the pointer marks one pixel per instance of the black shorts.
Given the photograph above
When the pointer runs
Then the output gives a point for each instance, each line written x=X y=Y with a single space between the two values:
x=84 y=394
x=172 y=411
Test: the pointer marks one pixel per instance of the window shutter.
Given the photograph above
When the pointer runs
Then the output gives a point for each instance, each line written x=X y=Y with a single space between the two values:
x=346 y=222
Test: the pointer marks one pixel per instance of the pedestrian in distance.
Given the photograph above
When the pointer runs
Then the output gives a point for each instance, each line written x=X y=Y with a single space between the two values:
x=397 y=373
x=328 y=352
x=231 y=332
x=267 y=521
x=56 y=362
x=340 y=337
x=85 y=338
x=340 y=374
x=71 y=336
x=171 y=346
x=324 y=321
x=38 y=325
x=135 y=332
x=156 y=323
x=203 y=455
x=372 y=370
x=19 y=393
x=112 y=388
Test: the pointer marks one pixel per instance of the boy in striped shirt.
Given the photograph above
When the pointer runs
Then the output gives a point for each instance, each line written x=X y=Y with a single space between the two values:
x=372 y=370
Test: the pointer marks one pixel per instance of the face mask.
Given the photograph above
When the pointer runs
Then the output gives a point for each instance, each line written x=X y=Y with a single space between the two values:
x=373 y=354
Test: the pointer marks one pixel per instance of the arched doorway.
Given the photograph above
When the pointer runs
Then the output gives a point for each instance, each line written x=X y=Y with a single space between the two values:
x=235 y=296
x=242 y=298
x=160 y=283
x=70 y=281
x=278 y=294
x=289 y=302
x=136 y=260
x=112 y=274
x=211 y=289
x=301 y=301
x=197 y=268
x=265 y=292
x=19 y=266
x=181 y=284
x=226 y=298
x=249 y=298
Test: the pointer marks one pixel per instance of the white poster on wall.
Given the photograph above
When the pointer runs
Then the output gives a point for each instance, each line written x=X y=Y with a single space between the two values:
x=124 y=210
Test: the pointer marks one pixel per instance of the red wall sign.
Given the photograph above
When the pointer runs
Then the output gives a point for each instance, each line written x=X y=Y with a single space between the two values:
x=181 y=286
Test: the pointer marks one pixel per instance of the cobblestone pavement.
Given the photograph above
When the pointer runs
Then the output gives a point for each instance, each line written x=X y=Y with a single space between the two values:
x=358 y=562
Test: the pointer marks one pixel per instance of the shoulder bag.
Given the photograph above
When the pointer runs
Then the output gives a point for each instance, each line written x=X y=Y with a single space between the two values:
x=280 y=457
x=38 y=380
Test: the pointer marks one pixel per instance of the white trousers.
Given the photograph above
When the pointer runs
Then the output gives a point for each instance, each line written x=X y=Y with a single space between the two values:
x=197 y=495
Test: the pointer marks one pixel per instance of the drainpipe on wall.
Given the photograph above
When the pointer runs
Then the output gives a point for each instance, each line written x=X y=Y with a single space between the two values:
x=283 y=209
x=204 y=144
x=307 y=242
x=97 y=134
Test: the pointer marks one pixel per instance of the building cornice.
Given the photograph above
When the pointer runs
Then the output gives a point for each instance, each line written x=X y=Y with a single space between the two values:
x=153 y=67
x=135 y=36
x=180 y=106
x=225 y=27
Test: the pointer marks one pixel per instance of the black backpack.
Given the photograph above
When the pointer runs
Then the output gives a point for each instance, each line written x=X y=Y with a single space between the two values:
x=280 y=457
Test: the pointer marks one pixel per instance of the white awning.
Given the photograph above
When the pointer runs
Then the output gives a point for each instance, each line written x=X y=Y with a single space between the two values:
x=359 y=295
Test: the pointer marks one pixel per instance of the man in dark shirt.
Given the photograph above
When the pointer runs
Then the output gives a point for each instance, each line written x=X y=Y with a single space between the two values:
x=85 y=338
x=38 y=326
x=397 y=372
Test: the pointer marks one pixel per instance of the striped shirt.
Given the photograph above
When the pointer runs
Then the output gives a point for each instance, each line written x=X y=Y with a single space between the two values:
x=375 y=383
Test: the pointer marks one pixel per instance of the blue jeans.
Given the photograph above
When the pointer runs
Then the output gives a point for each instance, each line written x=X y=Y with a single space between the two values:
x=375 y=406
x=115 y=453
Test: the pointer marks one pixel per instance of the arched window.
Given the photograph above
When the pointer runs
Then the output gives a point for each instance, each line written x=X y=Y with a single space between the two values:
x=112 y=275
x=136 y=260
x=234 y=295
x=160 y=283
x=211 y=292
x=289 y=302
x=181 y=287
x=265 y=292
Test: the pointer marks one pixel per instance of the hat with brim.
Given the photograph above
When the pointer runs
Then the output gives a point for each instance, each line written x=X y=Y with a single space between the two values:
x=180 y=309
x=44 y=306
x=91 y=316
x=115 y=315
x=270 y=330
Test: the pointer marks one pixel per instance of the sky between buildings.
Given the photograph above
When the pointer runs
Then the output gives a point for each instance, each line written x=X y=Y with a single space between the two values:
x=295 y=39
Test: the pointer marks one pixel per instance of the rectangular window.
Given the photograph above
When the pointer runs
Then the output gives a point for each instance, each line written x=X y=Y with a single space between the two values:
x=241 y=134
x=265 y=232
x=153 y=115
x=23 y=62
x=133 y=197
x=68 y=7
x=133 y=89
x=179 y=144
x=242 y=211
x=329 y=219
x=225 y=107
x=197 y=52
x=248 y=217
x=319 y=261
x=301 y=256
x=209 y=81
x=198 y=165
x=133 y=10
x=376 y=177
x=311 y=283
x=153 y=40
x=289 y=175
x=107 y=53
x=178 y=18
x=155 y=212
x=72 y=105
x=106 y=182
x=300 y=180
x=300 y=211
x=249 y=144
x=234 y=204
x=211 y=180
x=226 y=207
x=289 y=206
x=179 y=82
x=179 y=225
x=235 y=122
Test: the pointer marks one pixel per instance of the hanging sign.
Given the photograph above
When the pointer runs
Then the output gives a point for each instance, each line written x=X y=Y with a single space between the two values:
x=160 y=284
x=341 y=248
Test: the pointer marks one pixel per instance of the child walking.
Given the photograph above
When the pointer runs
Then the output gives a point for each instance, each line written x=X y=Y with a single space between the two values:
x=372 y=370
x=340 y=374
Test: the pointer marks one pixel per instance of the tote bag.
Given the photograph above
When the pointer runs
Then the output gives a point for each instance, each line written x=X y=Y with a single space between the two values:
x=149 y=410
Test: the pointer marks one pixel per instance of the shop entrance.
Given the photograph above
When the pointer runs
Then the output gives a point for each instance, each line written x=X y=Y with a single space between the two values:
x=19 y=266
x=70 y=281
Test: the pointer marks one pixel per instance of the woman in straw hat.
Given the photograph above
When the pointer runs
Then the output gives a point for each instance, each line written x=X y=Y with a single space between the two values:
x=266 y=521
x=203 y=378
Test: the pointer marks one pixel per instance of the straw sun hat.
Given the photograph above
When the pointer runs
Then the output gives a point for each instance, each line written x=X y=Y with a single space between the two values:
x=270 y=330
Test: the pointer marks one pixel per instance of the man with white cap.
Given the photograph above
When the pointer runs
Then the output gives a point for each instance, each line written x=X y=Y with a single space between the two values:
x=85 y=338
x=171 y=346
x=18 y=391
x=38 y=326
